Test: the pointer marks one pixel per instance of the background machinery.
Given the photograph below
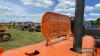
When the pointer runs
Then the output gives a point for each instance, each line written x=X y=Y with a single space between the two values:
x=4 y=36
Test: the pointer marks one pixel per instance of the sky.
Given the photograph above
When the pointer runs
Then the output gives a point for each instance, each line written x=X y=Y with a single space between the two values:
x=33 y=10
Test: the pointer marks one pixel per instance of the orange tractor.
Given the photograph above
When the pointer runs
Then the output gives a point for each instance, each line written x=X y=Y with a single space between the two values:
x=54 y=24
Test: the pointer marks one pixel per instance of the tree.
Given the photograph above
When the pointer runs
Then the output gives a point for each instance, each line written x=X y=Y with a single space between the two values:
x=92 y=22
x=98 y=21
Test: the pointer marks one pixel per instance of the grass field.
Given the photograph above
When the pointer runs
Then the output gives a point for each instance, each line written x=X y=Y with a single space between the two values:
x=22 y=38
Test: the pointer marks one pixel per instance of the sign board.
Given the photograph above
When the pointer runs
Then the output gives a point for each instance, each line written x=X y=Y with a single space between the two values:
x=54 y=24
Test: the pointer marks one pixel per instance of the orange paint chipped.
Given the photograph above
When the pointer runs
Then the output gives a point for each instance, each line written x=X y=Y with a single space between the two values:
x=88 y=42
x=61 y=48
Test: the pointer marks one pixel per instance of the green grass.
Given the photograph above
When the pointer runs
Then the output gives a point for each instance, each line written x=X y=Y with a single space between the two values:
x=22 y=38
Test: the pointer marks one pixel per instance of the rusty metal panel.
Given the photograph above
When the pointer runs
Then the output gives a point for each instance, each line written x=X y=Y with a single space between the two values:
x=54 y=24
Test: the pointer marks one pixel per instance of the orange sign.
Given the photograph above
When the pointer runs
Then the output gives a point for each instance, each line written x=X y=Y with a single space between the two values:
x=54 y=24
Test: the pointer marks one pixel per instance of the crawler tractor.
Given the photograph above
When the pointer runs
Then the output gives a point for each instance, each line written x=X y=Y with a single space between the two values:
x=4 y=36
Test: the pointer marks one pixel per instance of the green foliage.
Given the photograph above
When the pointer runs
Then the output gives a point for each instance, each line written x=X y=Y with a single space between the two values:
x=98 y=21
x=92 y=22
x=95 y=22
